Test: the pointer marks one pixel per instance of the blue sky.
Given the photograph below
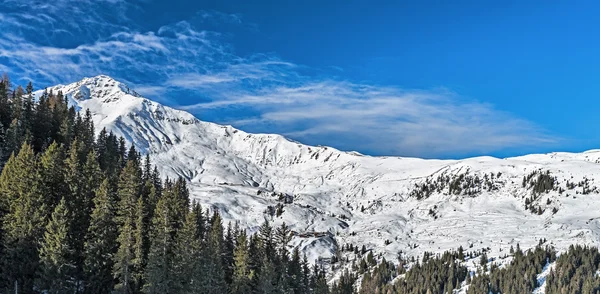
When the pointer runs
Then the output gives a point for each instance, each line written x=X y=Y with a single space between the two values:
x=420 y=78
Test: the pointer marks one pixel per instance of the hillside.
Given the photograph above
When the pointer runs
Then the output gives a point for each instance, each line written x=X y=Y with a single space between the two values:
x=331 y=198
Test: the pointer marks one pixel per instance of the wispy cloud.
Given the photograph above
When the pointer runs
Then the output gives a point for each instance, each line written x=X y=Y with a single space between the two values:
x=274 y=95
x=385 y=120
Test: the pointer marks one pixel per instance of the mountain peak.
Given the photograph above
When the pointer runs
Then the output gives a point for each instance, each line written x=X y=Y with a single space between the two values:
x=101 y=87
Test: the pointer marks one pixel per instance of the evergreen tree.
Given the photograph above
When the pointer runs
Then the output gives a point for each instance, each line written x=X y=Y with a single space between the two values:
x=52 y=175
x=228 y=250
x=14 y=136
x=212 y=268
x=81 y=176
x=295 y=274
x=305 y=286
x=128 y=192
x=266 y=278
x=242 y=274
x=25 y=218
x=265 y=239
x=57 y=270
x=142 y=244
x=65 y=131
x=283 y=237
x=42 y=124
x=320 y=282
x=27 y=114
x=101 y=241
x=160 y=274
x=5 y=104
x=188 y=254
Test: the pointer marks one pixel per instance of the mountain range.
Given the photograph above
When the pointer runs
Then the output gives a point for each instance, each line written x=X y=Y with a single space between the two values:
x=330 y=198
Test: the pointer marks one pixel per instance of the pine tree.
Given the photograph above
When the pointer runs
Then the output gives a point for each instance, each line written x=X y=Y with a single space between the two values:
x=101 y=241
x=242 y=274
x=142 y=244
x=42 y=124
x=283 y=236
x=265 y=238
x=188 y=252
x=160 y=275
x=14 y=136
x=5 y=119
x=57 y=270
x=183 y=198
x=305 y=286
x=81 y=176
x=27 y=117
x=52 y=174
x=228 y=249
x=25 y=218
x=5 y=104
x=124 y=270
x=65 y=130
x=212 y=268
x=3 y=147
x=294 y=274
x=266 y=278
x=320 y=282
x=200 y=221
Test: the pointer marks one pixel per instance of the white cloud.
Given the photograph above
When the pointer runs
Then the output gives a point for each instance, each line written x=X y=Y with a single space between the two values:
x=386 y=120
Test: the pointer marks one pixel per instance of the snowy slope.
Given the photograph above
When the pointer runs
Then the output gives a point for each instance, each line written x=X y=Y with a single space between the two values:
x=239 y=173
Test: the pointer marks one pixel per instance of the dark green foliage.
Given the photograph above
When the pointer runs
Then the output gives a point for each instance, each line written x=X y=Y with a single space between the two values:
x=24 y=219
x=461 y=184
x=439 y=274
x=213 y=269
x=242 y=274
x=52 y=174
x=125 y=270
x=576 y=271
x=520 y=276
x=378 y=279
x=345 y=285
x=101 y=241
x=160 y=275
x=188 y=252
x=539 y=182
x=57 y=270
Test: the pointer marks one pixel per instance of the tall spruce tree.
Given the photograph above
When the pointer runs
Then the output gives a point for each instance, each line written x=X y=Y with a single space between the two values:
x=129 y=189
x=320 y=282
x=242 y=274
x=25 y=218
x=57 y=269
x=81 y=176
x=160 y=275
x=101 y=241
x=52 y=174
x=228 y=249
x=294 y=273
x=212 y=268
x=188 y=254
x=142 y=243
x=266 y=280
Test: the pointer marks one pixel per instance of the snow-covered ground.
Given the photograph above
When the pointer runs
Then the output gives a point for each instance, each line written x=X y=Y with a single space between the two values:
x=243 y=174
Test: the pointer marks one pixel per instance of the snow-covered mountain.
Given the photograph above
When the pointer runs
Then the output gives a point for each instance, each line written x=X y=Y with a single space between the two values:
x=330 y=197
